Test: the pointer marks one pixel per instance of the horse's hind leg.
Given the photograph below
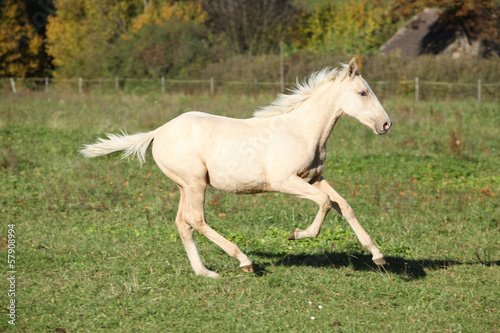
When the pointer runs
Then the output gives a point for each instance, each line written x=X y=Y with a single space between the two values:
x=194 y=215
x=191 y=216
x=186 y=233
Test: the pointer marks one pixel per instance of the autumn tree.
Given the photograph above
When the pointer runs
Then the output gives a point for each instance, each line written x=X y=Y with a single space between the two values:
x=162 y=12
x=167 y=39
x=352 y=27
x=83 y=33
x=22 y=39
x=253 y=27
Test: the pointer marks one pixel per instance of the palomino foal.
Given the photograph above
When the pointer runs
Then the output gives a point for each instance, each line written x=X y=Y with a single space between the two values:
x=281 y=149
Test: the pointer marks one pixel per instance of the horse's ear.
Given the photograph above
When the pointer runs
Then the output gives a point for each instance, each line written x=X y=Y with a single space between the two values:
x=352 y=68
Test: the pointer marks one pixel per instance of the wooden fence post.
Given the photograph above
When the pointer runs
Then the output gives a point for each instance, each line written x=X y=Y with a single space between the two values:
x=479 y=90
x=282 y=69
x=162 y=85
x=80 y=85
x=117 y=84
x=13 y=85
x=212 y=86
x=417 y=97
x=255 y=86
x=46 y=84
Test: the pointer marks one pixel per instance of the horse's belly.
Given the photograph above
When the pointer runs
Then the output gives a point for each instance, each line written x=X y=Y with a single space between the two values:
x=236 y=178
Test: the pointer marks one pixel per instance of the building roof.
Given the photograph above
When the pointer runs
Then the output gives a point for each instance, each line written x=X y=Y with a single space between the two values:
x=424 y=34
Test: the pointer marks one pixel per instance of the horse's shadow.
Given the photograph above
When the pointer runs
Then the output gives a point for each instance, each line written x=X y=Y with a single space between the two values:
x=409 y=269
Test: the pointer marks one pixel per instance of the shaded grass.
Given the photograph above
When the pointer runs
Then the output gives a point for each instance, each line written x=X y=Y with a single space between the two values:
x=98 y=249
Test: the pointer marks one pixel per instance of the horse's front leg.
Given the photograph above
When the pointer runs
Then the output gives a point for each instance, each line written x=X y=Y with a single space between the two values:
x=298 y=187
x=345 y=210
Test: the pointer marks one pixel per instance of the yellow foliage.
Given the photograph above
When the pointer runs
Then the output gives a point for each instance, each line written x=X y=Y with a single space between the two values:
x=20 y=45
x=64 y=40
x=83 y=30
x=157 y=15
x=353 y=26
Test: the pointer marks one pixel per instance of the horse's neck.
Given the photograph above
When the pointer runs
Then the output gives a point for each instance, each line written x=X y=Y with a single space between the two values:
x=317 y=116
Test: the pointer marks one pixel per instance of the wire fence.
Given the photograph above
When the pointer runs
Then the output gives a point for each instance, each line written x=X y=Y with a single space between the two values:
x=418 y=89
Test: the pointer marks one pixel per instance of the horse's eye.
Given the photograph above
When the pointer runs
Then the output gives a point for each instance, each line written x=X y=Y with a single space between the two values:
x=363 y=93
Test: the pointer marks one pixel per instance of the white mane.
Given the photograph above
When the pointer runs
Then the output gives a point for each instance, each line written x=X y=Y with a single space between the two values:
x=302 y=90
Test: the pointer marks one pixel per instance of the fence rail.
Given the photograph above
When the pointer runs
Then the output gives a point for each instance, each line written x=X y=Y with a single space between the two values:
x=476 y=89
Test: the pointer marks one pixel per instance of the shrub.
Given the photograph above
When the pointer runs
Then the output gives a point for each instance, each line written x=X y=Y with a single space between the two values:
x=176 y=49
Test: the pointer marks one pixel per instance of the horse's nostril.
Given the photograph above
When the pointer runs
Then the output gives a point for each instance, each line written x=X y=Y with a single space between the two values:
x=387 y=125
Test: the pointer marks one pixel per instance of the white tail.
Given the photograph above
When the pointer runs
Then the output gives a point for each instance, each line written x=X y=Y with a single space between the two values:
x=132 y=144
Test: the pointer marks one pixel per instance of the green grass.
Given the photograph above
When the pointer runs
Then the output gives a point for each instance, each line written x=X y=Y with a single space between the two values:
x=97 y=248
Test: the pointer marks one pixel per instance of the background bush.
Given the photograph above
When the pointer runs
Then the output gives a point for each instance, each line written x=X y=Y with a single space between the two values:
x=179 y=49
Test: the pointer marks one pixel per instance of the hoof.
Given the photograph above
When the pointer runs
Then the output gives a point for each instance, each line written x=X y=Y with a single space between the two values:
x=208 y=273
x=293 y=235
x=247 y=268
x=380 y=261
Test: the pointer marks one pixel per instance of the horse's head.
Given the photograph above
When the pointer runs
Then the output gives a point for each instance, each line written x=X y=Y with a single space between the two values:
x=359 y=101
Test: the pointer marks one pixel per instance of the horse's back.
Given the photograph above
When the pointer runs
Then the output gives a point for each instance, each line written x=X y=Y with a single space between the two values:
x=216 y=148
x=196 y=129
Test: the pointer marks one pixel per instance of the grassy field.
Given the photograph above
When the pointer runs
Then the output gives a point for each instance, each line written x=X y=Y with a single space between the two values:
x=97 y=248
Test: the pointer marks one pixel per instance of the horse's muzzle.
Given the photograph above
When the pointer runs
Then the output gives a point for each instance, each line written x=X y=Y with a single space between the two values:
x=382 y=129
x=387 y=125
